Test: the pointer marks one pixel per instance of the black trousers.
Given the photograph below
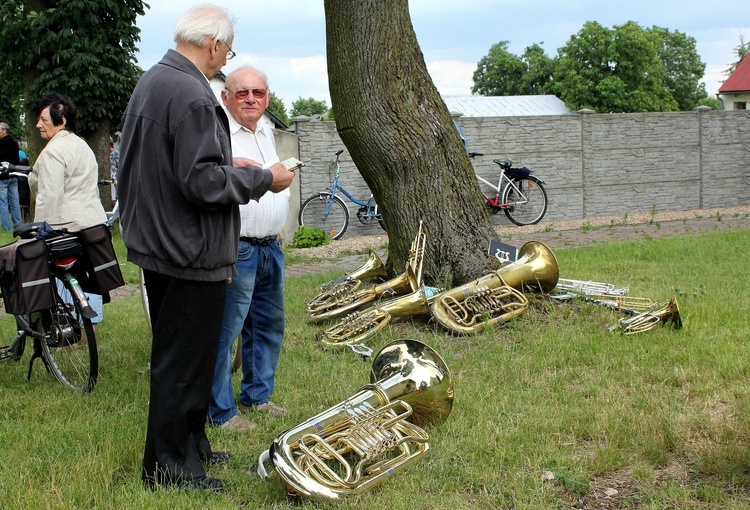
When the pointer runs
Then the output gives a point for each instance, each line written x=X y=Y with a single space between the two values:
x=186 y=319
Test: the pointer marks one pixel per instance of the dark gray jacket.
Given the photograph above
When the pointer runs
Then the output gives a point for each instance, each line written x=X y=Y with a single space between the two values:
x=178 y=192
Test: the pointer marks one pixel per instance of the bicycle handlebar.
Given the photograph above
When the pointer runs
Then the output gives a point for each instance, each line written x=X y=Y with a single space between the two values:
x=8 y=170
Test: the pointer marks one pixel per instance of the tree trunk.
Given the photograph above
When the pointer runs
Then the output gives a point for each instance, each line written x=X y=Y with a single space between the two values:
x=400 y=135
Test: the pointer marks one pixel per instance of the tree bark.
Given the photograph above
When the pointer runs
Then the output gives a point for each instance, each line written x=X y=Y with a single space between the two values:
x=400 y=135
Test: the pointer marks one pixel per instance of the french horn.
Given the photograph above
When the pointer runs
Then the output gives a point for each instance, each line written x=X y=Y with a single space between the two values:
x=342 y=301
x=498 y=296
x=361 y=442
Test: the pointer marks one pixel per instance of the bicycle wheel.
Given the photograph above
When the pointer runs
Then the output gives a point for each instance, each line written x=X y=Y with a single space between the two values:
x=319 y=211
x=68 y=342
x=528 y=207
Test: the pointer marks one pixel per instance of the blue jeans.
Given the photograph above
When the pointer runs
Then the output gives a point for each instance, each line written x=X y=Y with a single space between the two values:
x=9 y=195
x=254 y=308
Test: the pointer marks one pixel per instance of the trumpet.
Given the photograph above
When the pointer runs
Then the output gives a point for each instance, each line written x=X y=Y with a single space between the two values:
x=646 y=321
x=372 y=268
x=364 y=440
x=631 y=305
x=343 y=301
x=362 y=325
x=497 y=297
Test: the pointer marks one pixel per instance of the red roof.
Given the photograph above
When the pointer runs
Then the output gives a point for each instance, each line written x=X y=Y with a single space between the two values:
x=739 y=80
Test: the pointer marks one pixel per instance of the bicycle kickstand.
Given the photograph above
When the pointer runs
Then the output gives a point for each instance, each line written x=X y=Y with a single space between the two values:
x=37 y=354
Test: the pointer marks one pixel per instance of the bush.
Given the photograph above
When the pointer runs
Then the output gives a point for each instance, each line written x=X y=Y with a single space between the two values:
x=310 y=237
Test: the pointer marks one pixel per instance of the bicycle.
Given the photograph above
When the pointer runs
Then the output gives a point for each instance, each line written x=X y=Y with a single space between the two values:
x=523 y=198
x=62 y=331
x=327 y=211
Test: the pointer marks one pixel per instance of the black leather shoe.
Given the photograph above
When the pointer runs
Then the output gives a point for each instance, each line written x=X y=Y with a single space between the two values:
x=216 y=458
x=205 y=484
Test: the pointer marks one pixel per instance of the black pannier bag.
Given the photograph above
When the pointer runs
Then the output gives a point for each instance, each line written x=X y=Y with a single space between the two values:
x=99 y=260
x=24 y=276
x=520 y=172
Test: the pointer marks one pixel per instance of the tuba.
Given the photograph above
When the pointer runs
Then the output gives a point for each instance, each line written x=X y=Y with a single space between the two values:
x=343 y=301
x=497 y=297
x=361 y=325
x=372 y=268
x=361 y=442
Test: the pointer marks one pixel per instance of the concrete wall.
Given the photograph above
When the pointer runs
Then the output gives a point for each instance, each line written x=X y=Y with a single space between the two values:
x=592 y=164
x=287 y=147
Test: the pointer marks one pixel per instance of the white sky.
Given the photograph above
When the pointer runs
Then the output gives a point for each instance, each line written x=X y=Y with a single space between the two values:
x=286 y=38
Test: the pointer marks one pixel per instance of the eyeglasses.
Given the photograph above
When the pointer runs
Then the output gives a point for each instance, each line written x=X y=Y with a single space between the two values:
x=242 y=94
x=230 y=54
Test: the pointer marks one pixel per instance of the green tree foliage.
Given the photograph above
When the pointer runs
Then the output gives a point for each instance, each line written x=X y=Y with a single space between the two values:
x=308 y=107
x=712 y=102
x=499 y=73
x=683 y=67
x=613 y=70
x=539 y=69
x=622 y=69
x=276 y=106
x=81 y=48
x=741 y=50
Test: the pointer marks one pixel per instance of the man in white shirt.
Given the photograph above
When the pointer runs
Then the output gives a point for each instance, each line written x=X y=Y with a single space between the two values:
x=255 y=297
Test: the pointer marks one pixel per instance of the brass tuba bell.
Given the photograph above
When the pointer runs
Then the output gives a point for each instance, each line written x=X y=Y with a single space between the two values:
x=361 y=442
x=497 y=297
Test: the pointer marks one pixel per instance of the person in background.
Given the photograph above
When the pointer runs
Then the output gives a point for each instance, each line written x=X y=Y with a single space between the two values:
x=114 y=159
x=255 y=299
x=65 y=175
x=10 y=206
x=179 y=196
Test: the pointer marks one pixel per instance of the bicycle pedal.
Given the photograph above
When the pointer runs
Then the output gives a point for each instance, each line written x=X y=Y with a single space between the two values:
x=5 y=352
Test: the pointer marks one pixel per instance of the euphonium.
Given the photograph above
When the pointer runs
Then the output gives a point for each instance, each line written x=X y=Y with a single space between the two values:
x=362 y=441
x=341 y=302
x=497 y=297
x=346 y=301
x=350 y=282
x=361 y=325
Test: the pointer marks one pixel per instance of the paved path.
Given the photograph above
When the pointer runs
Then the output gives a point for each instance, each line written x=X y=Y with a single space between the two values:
x=579 y=236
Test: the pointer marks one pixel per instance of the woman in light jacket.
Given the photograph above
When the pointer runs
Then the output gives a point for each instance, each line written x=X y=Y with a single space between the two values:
x=65 y=175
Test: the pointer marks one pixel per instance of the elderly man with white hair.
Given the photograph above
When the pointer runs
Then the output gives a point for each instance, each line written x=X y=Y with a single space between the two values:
x=179 y=195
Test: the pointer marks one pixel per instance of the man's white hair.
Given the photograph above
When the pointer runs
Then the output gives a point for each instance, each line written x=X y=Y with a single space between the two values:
x=205 y=22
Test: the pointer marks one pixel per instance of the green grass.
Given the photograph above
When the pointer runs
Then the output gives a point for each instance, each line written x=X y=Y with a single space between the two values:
x=550 y=410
